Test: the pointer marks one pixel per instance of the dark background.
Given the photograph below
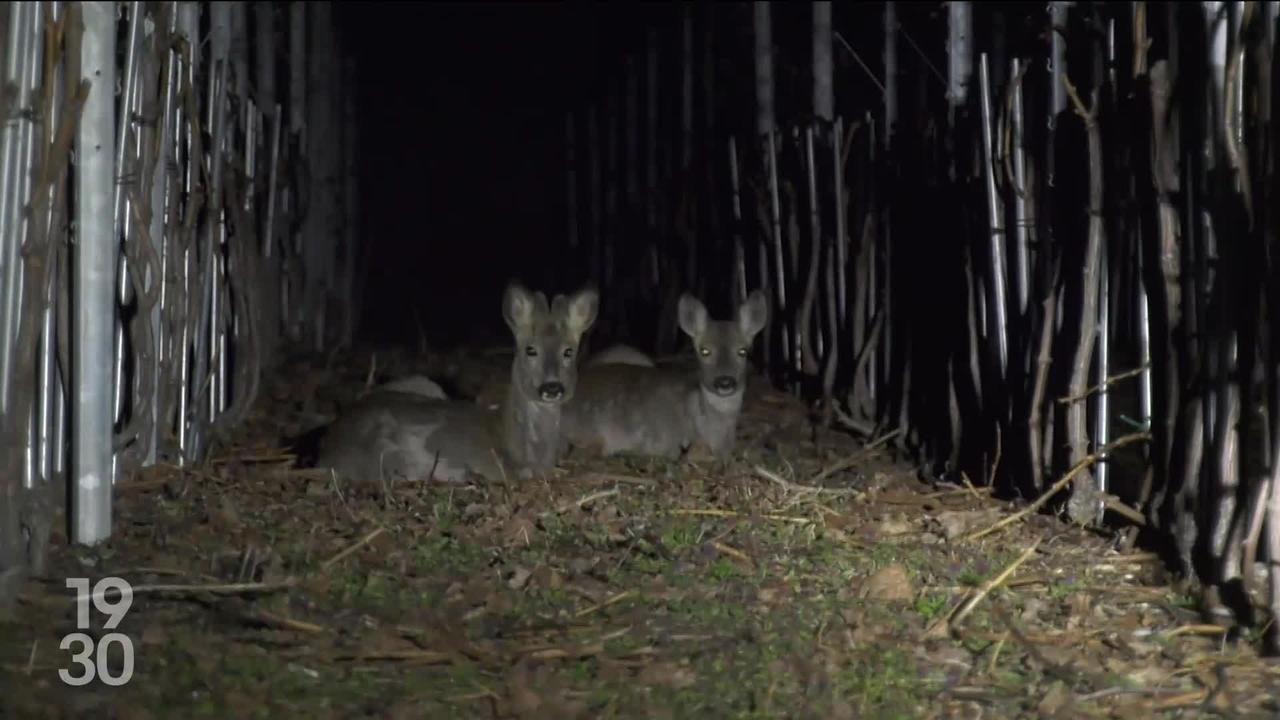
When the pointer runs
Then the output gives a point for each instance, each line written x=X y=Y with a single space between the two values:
x=460 y=109
x=461 y=112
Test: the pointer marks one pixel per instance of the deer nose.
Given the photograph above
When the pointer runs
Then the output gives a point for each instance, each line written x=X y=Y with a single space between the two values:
x=551 y=391
x=724 y=385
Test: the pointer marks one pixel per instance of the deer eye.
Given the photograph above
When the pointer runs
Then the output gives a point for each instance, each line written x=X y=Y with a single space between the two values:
x=742 y=352
x=704 y=351
x=531 y=351
x=568 y=353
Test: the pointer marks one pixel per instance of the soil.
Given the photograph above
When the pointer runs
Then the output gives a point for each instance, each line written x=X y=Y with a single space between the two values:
x=813 y=576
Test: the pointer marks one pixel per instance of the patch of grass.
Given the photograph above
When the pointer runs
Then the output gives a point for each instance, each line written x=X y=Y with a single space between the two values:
x=969 y=576
x=723 y=569
x=646 y=565
x=680 y=536
x=1061 y=589
x=883 y=679
x=550 y=600
x=913 y=558
x=706 y=614
x=440 y=553
x=930 y=604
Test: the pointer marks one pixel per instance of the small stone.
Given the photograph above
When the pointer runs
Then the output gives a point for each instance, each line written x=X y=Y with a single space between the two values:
x=890 y=584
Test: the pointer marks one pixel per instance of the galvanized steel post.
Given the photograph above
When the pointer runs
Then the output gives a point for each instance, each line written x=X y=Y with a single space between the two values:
x=95 y=271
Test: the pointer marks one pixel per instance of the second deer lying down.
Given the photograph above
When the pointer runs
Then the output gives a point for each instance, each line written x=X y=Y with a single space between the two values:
x=661 y=411
x=399 y=433
x=620 y=355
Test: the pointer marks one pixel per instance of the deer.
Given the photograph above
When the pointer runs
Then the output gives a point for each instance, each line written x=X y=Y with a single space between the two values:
x=400 y=432
x=663 y=411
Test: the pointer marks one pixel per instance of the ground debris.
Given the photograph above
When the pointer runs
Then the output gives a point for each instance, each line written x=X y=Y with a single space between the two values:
x=800 y=579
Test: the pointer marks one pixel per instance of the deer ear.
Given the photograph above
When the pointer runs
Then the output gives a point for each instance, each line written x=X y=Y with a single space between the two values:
x=580 y=311
x=753 y=314
x=519 y=307
x=692 y=315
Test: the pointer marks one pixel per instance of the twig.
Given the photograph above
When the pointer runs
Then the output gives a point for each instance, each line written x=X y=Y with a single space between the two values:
x=424 y=657
x=861 y=64
x=169 y=571
x=1114 y=691
x=557 y=653
x=730 y=513
x=1113 y=503
x=924 y=57
x=501 y=468
x=277 y=456
x=337 y=489
x=1192 y=698
x=286 y=623
x=846 y=421
x=1141 y=43
x=584 y=501
x=469 y=697
x=1089 y=116
x=1066 y=674
x=552 y=652
x=995 y=654
x=617 y=478
x=361 y=543
x=971 y=490
x=985 y=590
x=1061 y=483
x=222 y=589
x=1007 y=141
x=995 y=463
x=855 y=458
x=731 y=552
x=611 y=601
x=798 y=488
x=1104 y=384
x=1195 y=630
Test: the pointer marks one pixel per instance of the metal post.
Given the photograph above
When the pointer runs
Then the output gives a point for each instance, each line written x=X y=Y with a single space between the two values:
x=94 y=278
x=11 y=171
x=167 y=96
x=188 y=25
x=49 y=398
x=125 y=163
x=995 y=220
x=33 y=52
x=960 y=51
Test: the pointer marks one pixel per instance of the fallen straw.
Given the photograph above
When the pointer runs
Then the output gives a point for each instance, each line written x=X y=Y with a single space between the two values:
x=947 y=622
x=359 y=544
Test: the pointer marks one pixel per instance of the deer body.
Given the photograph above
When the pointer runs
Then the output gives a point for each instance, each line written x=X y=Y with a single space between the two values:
x=664 y=411
x=416 y=385
x=392 y=432
x=620 y=355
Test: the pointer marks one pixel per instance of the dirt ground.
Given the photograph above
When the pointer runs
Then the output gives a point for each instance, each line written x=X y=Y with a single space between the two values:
x=810 y=578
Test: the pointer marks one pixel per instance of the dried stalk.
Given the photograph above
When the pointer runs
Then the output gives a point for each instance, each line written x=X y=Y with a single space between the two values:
x=1084 y=500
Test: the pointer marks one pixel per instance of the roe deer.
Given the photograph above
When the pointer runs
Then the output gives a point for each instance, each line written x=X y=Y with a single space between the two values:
x=399 y=432
x=664 y=411
x=414 y=385
x=620 y=355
